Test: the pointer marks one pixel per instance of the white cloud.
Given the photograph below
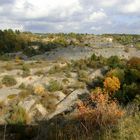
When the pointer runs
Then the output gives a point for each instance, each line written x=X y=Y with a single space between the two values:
x=7 y=24
x=131 y=7
x=99 y=16
x=44 y=8
x=96 y=16
x=108 y=3
x=96 y=28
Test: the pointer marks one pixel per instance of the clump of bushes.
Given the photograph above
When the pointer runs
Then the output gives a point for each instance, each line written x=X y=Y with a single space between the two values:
x=105 y=113
x=117 y=72
x=134 y=62
x=114 y=62
x=9 y=81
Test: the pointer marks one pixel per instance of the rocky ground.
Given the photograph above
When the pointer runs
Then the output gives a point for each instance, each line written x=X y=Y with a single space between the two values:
x=46 y=85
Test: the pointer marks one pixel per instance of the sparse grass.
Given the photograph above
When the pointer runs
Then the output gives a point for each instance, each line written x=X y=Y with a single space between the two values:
x=12 y=96
x=1 y=85
x=9 y=81
x=22 y=86
x=126 y=49
x=26 y=70
x=8 y=66
x=83 y=76
x=39 y=73
x=48 y=102
x=27 y=91
x=54 y=85
x=17 y=116
x=77 y=85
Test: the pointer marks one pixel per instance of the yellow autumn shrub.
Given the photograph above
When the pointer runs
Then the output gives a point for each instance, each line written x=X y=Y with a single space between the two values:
x=39 y=90
x=111 y=84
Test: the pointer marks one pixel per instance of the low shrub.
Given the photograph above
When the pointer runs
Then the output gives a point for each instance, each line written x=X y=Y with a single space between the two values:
x=99 y=111
x=39 y=90
x=134 y=63
x=9 y=80
x=111 y=84
x=22 y=86
x=17 y=116
x=26 y=71
x=114 y=61
x=117 y=72
x=54 y=86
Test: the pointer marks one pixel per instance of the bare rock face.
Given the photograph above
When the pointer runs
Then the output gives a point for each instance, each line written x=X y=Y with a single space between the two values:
x=41 y=109
x=60 y=95
x=27 y=104
x=67 y=102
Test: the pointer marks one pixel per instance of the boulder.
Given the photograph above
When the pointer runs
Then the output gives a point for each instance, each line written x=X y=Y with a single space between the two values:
x=27 y=104
x=67 y=102
x=41 y=109
x=60 y=95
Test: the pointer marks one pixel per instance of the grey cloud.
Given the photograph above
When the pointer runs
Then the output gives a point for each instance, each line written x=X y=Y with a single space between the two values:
x=116 y=21
x=4 y=2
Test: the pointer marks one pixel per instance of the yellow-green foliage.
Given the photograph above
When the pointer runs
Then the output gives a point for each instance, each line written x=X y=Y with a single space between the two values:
x=17 y=116
x=117 y=72
x=23 y=94
x=12 y=96
x=54 y=86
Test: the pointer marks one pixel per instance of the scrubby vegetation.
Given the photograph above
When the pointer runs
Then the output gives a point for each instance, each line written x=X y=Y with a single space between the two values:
x=9 y=80
x=89 y=98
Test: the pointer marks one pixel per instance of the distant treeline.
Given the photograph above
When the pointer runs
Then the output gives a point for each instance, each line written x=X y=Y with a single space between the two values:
x=27 y=42
x=125 y=39
x=15 y=41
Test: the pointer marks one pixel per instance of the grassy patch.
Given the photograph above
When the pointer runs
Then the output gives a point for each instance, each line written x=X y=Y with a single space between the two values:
x=9 y=81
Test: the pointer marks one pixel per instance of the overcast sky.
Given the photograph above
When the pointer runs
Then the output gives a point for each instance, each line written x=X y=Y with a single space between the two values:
x=83 y=16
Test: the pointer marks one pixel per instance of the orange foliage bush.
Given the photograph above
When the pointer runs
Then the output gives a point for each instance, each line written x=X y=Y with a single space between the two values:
x=106 y=112
x=111 y=84
x=134 y=62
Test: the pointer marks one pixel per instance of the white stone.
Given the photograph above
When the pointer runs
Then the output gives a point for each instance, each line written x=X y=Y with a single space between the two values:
x=27 y=104
x=41 y=109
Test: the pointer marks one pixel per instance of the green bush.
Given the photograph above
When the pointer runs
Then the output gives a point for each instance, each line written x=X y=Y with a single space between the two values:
x=127 y=93
x=54 y=86
x=93 y=57
x=132 y=75
x=9 y=80
x=113 y=61
x=117 y=73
